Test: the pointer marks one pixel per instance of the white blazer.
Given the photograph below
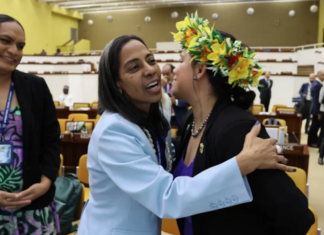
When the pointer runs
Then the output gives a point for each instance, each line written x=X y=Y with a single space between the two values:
x=130 y=192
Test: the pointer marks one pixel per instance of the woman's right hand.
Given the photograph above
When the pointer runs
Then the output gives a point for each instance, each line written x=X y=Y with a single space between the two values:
x=10 y=200
x=260 y=153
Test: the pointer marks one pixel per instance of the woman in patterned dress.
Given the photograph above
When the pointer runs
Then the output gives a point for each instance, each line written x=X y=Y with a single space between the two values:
x=26 y=184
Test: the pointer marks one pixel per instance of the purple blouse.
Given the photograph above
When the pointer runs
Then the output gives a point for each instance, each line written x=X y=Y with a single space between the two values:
x=183 y=170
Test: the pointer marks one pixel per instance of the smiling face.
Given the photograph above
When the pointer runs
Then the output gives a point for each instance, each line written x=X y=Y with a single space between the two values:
x=139 y=75
x=12 y=43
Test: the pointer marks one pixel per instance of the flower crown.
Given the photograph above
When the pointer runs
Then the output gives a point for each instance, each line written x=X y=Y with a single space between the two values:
x=207 y=46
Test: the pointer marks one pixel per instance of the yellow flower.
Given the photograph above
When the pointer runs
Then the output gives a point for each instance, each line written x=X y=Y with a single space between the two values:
x=240 y=71
x=193 y=41
x=178 y=36
x=184 y=23
x=255 y=74
x=218 y=49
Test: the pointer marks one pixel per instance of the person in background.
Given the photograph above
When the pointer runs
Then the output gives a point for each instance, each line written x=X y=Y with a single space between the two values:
x=129 y=156
x=66 y=98
x=166 y=101
x=215 y=131
x=179 y=107
x=313 y=140
x=58 y=52
x=265 y=90
x=320 y=75
x=305 y=94
x=29 y=126
x=43 y=52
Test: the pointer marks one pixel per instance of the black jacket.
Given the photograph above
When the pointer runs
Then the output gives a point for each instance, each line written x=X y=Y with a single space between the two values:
x=41 y=134
x=278 y=206
x=265 y=91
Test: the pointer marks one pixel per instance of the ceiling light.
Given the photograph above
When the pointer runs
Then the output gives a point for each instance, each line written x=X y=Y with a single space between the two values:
x=215 y=16
x=250 y=11
x=174 y=15
x=314 y=8
x=148 y=19
x=291 y=13
x=110 y=18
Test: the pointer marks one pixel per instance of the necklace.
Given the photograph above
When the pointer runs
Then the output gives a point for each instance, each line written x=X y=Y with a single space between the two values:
x=195 y=134
x=148 y=135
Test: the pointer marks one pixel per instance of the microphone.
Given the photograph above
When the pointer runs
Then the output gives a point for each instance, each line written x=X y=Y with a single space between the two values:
x=295 y=137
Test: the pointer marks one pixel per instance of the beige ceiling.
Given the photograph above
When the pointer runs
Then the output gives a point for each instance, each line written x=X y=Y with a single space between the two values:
x=97 y=6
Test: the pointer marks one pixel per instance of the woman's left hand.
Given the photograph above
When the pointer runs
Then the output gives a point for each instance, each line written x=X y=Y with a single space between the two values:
x=34 y=191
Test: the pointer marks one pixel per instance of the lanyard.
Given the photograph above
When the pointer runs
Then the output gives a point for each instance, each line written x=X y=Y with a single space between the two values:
x=4 y=122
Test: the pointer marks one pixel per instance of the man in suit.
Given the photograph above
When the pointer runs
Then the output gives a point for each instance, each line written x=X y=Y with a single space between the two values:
x=320 y=75
x=265 y=90
x=305 y=94
x=315 y=110
x=179 y=107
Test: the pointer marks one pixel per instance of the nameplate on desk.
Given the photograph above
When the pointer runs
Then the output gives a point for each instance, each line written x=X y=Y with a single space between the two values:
x=81 y=136
x=292 y=147
x=85 y=136
x=286 y=112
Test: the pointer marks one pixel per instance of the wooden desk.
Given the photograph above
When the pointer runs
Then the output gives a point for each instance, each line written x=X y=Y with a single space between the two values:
x=65 y=112
x=298 y=158
x=72 y=148
x=294 y=123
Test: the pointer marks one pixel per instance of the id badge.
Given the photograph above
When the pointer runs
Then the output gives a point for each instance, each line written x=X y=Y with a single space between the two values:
x=6 y=153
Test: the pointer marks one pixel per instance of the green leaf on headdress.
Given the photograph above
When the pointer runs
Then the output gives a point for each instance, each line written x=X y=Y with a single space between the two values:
x=195 y=52
x=204 y=63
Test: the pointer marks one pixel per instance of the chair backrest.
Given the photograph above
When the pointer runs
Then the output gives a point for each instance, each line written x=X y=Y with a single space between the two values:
x=257 y=108
x=98 y=116
x=275 y=106
x=81 y=105
x=60 y=172
x=83 y=174
x=274 y=121
x=174 y=132
x=314 y=227
x=78 y=116
x=56 y=103
x=170 y=226
x=94 y=104
x=300 y=179
x=62 y=123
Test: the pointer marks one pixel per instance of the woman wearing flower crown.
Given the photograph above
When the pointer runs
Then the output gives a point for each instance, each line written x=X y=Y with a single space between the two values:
x=213 y=76
x=129 y=156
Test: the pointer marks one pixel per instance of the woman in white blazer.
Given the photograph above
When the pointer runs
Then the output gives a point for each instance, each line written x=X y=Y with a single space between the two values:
x=129 y=157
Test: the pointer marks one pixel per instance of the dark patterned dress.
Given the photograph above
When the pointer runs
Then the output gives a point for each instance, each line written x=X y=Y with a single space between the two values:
x=17 y=222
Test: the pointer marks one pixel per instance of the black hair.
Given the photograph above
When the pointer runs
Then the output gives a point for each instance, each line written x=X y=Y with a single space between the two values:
x=172 y=67
x=111 y=99
x=225 y=91
x=6 y=18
